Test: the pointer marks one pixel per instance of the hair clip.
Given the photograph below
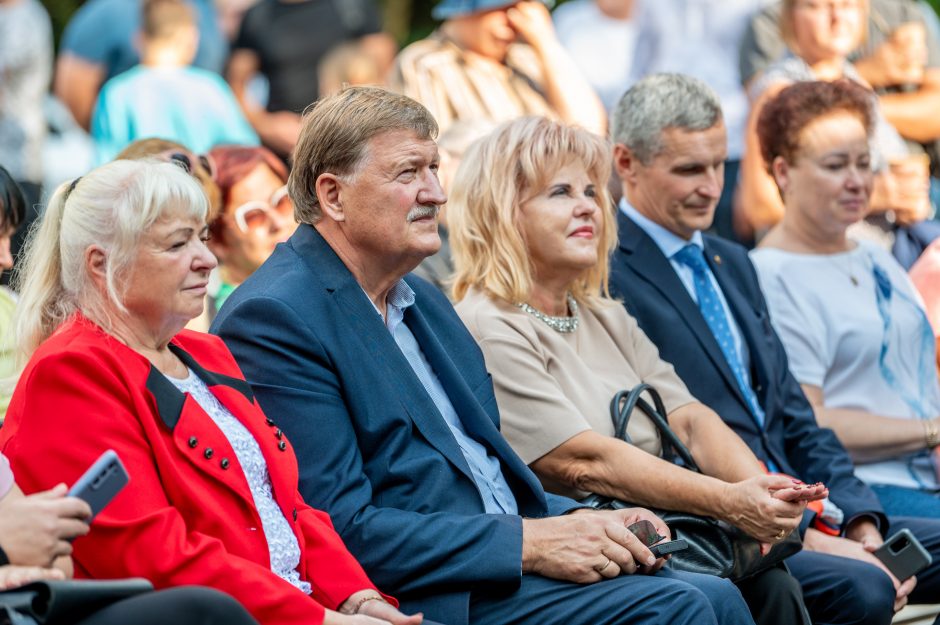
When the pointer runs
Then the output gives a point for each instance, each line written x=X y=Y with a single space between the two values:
x=182 y=161
x=71 y=188
x=185 y=162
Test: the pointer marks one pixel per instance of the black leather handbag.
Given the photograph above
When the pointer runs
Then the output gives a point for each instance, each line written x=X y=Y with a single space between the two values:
x=715 y=547
x=63 y=602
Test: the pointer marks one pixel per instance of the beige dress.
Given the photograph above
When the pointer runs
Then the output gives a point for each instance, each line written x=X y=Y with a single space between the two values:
x=551 y=386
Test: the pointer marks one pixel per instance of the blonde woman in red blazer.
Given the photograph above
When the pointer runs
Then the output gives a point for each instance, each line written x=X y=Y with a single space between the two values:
x=116 y=270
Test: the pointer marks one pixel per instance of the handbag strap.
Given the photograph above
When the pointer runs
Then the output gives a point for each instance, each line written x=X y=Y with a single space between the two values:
x=11 y=616
x=621 y=408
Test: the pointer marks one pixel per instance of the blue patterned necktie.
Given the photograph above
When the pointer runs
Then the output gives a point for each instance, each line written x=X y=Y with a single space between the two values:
x=714 y=313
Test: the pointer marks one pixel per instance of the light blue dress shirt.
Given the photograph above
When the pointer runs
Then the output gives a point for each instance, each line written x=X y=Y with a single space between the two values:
x=487 y=473
x=670 y=243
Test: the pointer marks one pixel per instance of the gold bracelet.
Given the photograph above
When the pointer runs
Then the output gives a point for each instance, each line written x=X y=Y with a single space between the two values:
x=931 y=434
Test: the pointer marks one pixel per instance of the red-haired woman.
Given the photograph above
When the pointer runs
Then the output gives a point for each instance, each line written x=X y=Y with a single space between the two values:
x=256 y=213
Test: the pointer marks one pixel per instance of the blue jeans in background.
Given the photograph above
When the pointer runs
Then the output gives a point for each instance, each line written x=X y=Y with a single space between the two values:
x=899 y=501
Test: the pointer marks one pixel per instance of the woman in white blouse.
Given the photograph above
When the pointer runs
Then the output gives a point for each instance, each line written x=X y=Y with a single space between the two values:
x=854 y=328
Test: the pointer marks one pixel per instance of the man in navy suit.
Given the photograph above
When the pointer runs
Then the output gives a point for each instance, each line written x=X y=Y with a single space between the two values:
x=697 y=297
x=386 y=399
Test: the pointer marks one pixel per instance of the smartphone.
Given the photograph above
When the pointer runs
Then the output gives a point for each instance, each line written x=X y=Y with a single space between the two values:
x=646 y=532
x=903 y=555
x=666 y=548
x=101 y=482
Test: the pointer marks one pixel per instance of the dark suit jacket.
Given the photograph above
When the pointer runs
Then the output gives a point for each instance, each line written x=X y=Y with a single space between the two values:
x=373 y=449
x=644 y=279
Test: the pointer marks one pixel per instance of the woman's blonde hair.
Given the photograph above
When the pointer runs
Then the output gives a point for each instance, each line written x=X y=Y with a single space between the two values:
x=110 y=207
x=499 y=173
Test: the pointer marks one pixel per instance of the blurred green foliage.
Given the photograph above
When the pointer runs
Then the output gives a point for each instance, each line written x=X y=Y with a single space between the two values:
x=60 y=11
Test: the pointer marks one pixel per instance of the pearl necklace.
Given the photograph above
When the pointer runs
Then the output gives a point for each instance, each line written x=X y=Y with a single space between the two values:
x=564 y=325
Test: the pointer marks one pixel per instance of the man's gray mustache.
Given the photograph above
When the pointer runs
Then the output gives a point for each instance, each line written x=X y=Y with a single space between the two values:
x=420 y=212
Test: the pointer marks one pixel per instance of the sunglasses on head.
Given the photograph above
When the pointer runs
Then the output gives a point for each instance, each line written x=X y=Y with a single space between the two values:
x=258 y=214
x=186 y=162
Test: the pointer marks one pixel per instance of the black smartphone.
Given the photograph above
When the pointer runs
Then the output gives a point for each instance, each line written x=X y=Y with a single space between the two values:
x=646 y=532
x=663 y=549
x=903 y=555
x=101 y=482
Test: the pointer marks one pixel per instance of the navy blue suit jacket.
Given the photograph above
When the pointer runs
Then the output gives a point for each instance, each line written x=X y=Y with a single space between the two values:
x=644 y=279
x=373 y=449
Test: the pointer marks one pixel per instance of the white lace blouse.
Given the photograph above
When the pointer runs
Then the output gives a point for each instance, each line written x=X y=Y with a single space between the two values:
x=282 y=543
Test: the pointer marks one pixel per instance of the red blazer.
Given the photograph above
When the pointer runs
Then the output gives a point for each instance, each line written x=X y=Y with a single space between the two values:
x=187 y=516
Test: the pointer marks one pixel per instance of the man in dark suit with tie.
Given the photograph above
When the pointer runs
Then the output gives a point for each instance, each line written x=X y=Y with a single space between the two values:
x=386 y=399
x=697 y=297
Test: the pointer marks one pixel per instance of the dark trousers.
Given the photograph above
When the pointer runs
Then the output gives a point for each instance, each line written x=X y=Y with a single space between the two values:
x=668 y=597
x=927 y=532
x=187 y=605
x=775 y=598
x=841 y=591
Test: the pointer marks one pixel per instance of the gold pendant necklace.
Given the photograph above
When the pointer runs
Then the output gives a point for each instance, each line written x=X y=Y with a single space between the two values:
x=848 y=266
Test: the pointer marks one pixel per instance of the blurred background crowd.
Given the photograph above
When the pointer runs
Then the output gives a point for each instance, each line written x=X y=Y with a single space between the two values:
x=220 y=87
x=81 y=80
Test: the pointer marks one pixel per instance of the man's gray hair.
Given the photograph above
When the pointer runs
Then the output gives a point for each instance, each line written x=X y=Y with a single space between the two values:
x=658 y=102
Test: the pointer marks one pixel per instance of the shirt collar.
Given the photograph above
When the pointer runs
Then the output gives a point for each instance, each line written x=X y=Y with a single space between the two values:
x=399 y=298
x=668 y=242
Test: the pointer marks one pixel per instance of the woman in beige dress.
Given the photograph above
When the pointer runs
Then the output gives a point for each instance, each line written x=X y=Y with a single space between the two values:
x=532 y=227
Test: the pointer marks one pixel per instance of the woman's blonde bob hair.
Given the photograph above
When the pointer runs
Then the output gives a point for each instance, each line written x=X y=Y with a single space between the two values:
x=498 y=174
x=111 y=208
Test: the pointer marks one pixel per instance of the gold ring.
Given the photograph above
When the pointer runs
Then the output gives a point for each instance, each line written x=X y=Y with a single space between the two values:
x=606 y=564
x=781 y=535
